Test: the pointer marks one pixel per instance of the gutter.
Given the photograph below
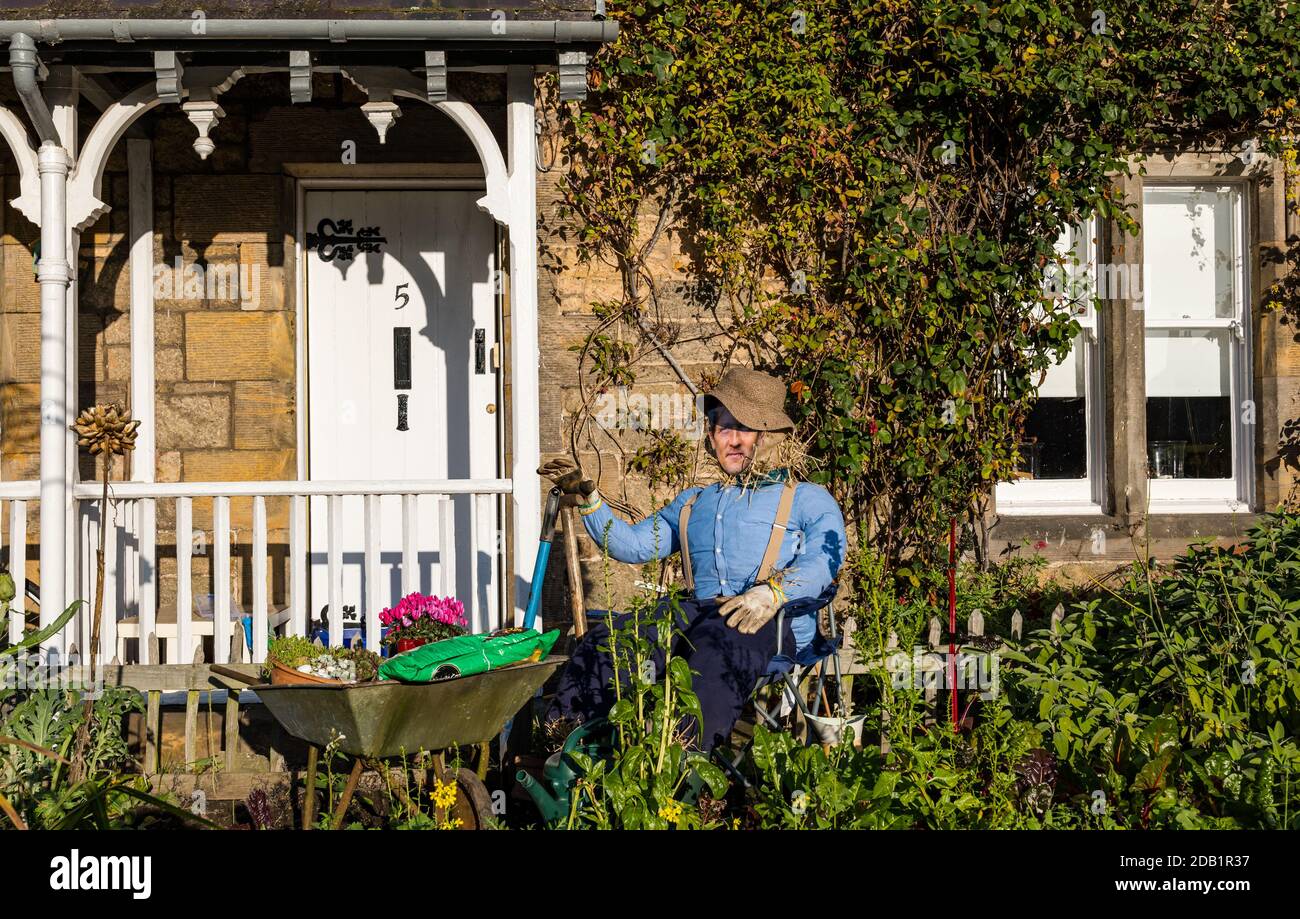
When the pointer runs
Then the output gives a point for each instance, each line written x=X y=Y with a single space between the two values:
x=126 y=31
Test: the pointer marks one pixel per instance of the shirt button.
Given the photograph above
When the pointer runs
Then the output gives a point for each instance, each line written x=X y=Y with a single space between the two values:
x=724 y=583
x=717 y=551
x=719 y=517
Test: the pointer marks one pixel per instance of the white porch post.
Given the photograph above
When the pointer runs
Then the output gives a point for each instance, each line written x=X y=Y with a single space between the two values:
x=53 y=275
x=524 y=355
x=62 y=91
x=143 y=467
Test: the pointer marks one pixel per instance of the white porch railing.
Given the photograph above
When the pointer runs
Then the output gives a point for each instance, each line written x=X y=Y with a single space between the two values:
x=131 y=561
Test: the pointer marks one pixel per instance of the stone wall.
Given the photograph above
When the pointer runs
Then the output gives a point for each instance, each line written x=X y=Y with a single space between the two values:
x=568 y=291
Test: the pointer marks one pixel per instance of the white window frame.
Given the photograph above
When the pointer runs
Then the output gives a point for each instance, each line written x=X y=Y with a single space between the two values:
x=1083 y=496
x=1231 y=495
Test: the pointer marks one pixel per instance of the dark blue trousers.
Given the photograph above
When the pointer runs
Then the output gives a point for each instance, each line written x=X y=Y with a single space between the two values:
x=725 y=665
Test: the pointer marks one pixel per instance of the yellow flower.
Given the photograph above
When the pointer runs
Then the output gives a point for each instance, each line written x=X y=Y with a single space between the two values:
x=444 y=793
x=735 y=823
x=672 y=812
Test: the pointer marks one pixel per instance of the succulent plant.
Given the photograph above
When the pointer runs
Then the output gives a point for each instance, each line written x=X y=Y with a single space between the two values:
x=352 y=665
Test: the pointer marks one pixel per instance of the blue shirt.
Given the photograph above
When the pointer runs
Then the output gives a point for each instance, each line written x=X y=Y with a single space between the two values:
x=728 y=532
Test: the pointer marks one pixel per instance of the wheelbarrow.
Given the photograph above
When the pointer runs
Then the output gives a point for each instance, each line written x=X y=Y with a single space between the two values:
x=389 y=718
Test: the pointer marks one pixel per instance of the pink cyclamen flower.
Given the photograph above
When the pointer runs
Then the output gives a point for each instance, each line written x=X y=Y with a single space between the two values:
x=414 y=609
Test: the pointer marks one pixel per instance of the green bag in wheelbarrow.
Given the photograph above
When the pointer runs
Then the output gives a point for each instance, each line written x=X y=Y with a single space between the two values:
x=465 y=655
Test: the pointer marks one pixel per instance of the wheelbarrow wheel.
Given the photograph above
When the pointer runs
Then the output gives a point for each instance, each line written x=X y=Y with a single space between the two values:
x=473 y=806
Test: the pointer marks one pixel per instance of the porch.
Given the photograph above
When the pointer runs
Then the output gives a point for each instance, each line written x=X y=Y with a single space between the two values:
x=161 y=152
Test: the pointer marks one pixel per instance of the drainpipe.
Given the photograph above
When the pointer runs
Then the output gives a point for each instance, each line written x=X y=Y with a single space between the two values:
x=53 y=273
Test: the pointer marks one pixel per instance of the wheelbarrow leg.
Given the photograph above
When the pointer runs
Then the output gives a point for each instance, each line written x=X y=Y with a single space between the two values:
x=484 y=754
x=309 y=793
x=351 y=787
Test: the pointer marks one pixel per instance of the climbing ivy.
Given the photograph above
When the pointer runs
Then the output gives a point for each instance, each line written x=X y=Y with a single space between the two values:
x=869 y=193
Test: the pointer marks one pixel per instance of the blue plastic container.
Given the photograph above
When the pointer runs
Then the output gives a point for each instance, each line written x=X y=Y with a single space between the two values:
x=350 y=634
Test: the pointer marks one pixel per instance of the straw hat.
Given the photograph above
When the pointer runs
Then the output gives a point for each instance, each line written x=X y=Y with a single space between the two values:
x=754 y=398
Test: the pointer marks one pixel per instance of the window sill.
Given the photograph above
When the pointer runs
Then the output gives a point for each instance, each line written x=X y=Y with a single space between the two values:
x=1048 y=509
x=1193 y=506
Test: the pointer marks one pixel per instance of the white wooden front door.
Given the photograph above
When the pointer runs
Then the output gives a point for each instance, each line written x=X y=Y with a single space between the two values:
x=390 y=275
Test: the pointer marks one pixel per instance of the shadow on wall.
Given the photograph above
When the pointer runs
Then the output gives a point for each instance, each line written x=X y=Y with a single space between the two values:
x=1284 y=299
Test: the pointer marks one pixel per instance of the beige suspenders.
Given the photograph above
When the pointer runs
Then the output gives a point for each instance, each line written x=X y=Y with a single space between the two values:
x=682 y=519
x=778 y=530
x=779 y=525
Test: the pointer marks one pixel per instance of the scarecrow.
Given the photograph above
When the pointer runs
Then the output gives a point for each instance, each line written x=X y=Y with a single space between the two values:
x=752 y=543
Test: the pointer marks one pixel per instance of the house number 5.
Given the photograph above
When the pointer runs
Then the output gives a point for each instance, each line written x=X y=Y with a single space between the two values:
x=400 y=295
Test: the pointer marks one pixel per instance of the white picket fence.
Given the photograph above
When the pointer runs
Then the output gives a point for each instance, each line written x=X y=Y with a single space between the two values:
x=131 y=569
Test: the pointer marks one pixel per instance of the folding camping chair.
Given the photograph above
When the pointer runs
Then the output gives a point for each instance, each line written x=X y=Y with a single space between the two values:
x=788 y=668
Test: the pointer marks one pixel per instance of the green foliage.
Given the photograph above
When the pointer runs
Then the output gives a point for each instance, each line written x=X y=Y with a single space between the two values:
x=663 y=459
x=870 y=191
x=1177 y=696
x=807 y=787
x=292 y=650
x=37 y=729
x=36 y=637
x=651 y=779
x=1169 y=702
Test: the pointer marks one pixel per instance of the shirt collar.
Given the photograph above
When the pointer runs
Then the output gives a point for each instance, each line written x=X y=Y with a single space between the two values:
x=772 y=477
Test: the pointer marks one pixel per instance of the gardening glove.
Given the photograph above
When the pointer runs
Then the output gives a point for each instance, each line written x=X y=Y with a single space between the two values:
x=750 y=611
x=568 y=477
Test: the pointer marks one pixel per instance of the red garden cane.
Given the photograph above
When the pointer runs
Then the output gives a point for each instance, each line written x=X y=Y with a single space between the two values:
x=952 y=619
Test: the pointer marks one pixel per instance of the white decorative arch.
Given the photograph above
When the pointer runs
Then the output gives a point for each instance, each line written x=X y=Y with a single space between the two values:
x=85 y=185
x=86 y=182
x=28 y=202
x=393 y=81
x=497 y=200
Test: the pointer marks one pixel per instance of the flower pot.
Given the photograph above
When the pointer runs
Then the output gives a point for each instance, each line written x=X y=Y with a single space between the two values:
x=406 y=644
x=288 y=676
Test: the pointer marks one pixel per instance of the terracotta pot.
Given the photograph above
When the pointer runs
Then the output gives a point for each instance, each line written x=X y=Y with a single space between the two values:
x=406 y=644
x=287 y=676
